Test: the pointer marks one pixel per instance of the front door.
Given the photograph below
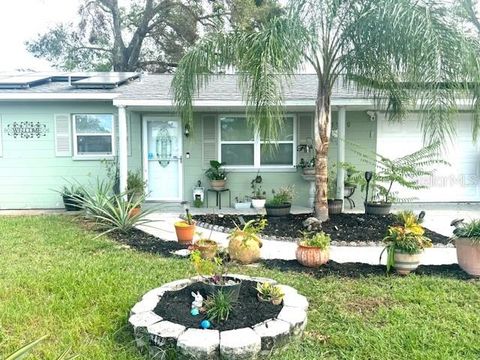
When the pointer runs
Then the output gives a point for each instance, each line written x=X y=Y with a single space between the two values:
x=162 y=153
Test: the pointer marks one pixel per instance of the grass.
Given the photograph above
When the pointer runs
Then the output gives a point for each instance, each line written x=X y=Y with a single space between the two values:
x=56 y=279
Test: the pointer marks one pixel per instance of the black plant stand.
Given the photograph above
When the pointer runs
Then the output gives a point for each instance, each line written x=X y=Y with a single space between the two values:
x=219 y=197
x=349 y=195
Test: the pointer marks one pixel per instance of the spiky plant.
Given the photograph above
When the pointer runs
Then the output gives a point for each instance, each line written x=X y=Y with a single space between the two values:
x=406 y=53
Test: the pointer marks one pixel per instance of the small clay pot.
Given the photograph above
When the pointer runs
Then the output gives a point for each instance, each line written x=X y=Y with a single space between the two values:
x=208 y=248
x=135 y=211
x=185 y=232
x=311 y=256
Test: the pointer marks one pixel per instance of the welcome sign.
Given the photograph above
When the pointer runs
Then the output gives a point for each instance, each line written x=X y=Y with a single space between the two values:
x=26 y=130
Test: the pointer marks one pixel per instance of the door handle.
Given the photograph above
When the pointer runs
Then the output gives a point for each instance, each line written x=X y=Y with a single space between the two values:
x=179 y=158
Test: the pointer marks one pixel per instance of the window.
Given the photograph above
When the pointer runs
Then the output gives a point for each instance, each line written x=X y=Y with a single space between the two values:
x=93 y=135
x=240 y=147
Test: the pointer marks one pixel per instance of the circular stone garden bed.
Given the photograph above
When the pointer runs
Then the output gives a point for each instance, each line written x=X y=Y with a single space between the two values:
x=162 y=321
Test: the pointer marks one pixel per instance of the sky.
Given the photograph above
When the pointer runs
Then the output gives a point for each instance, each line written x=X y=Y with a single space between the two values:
x=22 y=20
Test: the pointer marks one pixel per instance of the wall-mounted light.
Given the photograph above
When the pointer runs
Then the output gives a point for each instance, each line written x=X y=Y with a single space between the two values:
x=186 y=131
x=372 y=115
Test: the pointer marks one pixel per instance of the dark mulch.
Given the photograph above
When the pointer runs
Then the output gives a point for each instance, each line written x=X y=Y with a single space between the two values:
x=175 y=306
x=342 y=227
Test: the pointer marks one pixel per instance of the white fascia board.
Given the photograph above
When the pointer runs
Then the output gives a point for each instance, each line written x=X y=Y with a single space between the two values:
x=58 y=96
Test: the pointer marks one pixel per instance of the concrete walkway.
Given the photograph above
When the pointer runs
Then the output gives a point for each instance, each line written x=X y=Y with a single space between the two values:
x=162 y=227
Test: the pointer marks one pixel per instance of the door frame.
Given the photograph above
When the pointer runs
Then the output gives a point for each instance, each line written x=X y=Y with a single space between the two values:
x=145 y=120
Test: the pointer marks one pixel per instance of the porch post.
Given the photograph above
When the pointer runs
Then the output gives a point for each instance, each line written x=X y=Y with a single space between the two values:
x=122 y=147
x=341 y=152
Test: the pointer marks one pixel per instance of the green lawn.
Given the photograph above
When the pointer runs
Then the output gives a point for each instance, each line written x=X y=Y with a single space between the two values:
x=55 y=279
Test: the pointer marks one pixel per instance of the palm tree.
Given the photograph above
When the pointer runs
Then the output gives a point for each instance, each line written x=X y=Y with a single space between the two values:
x=405 y=53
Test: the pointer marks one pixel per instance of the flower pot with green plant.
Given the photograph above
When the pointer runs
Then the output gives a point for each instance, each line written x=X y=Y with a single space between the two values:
x=242 y=203
x=244 y=243
x=467 y=242
x=72 y=197
x=313 y=249
x=217 y=175
x=405 y=243
x=208 y=248
x=213 y=273
x=307 y=166
x=259 y=197
x=185 y=229
x=334 y=205
x=281 y=203
x=270 y=293
x=135 y=190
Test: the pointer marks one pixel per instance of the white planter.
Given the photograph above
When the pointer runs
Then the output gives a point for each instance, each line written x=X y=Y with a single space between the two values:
x=244 y=205
x=258 y=203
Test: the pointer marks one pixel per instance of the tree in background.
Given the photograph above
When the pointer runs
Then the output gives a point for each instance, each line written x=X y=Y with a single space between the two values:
x=406 y=53
x=149 y=35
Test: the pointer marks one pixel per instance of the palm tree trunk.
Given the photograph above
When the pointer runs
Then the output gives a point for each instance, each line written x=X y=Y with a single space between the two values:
x=322 y=135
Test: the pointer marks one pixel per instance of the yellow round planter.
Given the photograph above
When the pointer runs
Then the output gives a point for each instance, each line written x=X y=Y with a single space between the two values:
x=244 y=251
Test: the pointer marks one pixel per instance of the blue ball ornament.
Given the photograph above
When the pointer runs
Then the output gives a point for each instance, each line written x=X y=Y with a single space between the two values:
x=194 y=312
x=205 y=324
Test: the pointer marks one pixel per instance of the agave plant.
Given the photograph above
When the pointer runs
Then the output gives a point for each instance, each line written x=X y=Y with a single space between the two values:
x=26 y=350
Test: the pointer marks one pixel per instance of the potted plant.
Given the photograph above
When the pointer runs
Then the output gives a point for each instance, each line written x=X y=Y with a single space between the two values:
x=208 y=248
x=405 y=243
x=258 y=195
x=213 y=272
x=281 y=203
x=72 y=197
x=242 y=204
x=270 y=293
x=216 y=175
x=185 y=229
x=308 y=167
x=313 y=249
x=244 y=244
x=467 y=242
x=135 y=191
x=334 y=205
x=198 y=203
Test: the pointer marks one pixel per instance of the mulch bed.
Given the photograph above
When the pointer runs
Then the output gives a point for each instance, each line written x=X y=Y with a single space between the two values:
x=175 y=306
x=342 y=227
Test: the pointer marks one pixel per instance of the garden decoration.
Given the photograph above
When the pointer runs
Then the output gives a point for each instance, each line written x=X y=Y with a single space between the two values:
x=405 y=243
x=259 y=196
x=308 y=167
x=185 y=229
x=467 y=242
x=244 y=243
x=281 y=203
x=392 y=174
x=216 y=175
x=313 y=249
x=198 y=300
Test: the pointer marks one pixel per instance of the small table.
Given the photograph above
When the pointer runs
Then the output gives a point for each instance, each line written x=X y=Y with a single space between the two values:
x=219 y=196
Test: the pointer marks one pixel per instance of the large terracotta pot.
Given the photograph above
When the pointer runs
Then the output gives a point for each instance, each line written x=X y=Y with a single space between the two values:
x=372 y=208
x=311 y=256
x=185 y=232
x=335 y=206
x=468 y=255
x=217 y=184
x=278 y=210
x=406 y=263
x=244 y=251
x=208 y=248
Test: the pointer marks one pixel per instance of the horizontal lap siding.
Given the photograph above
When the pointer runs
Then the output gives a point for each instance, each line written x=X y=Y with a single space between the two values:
x=30 y=171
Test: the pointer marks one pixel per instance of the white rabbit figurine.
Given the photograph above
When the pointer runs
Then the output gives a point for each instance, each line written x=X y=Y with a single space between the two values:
x=198 y=302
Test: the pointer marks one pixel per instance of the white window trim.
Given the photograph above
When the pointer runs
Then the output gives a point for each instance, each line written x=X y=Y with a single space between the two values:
x=256 y=148
x=77 y=156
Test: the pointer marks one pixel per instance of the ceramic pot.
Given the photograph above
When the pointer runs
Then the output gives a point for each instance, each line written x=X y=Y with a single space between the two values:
x=185 y=232
x=278 y=210
x=311 y=256
x=218 y=184
x=258 y=203
x=72 y=203
x=378 y=208
x=135 y=211
x=243 y=206
x=406 y=263
x=232 y=289
x=244 y=251
x=335 y=206
x=208 y=248
x=468 y=255
x=309 y=171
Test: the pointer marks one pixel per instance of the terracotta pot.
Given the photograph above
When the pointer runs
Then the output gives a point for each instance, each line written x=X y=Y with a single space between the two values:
x=135 y=211
x=468 y=255
x=406 y=263
x=378 y=208
x=278 y=210
x=218 y=184
x=245 y=252
x=185 y=232
x=208 y=248
x=258 y=203
x=335 y=206
x=311 y=256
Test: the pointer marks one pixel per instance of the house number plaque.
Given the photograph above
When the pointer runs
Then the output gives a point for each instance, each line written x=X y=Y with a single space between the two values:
x=26 y=130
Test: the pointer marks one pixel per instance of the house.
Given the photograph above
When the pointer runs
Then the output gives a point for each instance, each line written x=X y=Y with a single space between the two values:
x=59 y=128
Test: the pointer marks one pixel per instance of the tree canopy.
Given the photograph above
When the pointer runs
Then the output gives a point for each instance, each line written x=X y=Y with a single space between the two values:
x=150 y=35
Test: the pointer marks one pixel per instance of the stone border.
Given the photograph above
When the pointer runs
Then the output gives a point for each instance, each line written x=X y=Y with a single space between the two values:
x=227 y=230
x=154 y=335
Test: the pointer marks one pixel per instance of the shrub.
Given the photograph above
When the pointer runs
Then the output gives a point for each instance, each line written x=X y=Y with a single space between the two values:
x=469 y=230
x=135 y=184
x=320 y=240
x=283 y=195
x=219 y=306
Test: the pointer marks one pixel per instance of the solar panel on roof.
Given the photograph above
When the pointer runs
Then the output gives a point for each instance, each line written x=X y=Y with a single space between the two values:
x=106 y=80
x=23 y=81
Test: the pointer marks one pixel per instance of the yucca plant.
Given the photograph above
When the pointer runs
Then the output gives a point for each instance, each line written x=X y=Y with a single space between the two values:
x=219 y=306
x=25 y=350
